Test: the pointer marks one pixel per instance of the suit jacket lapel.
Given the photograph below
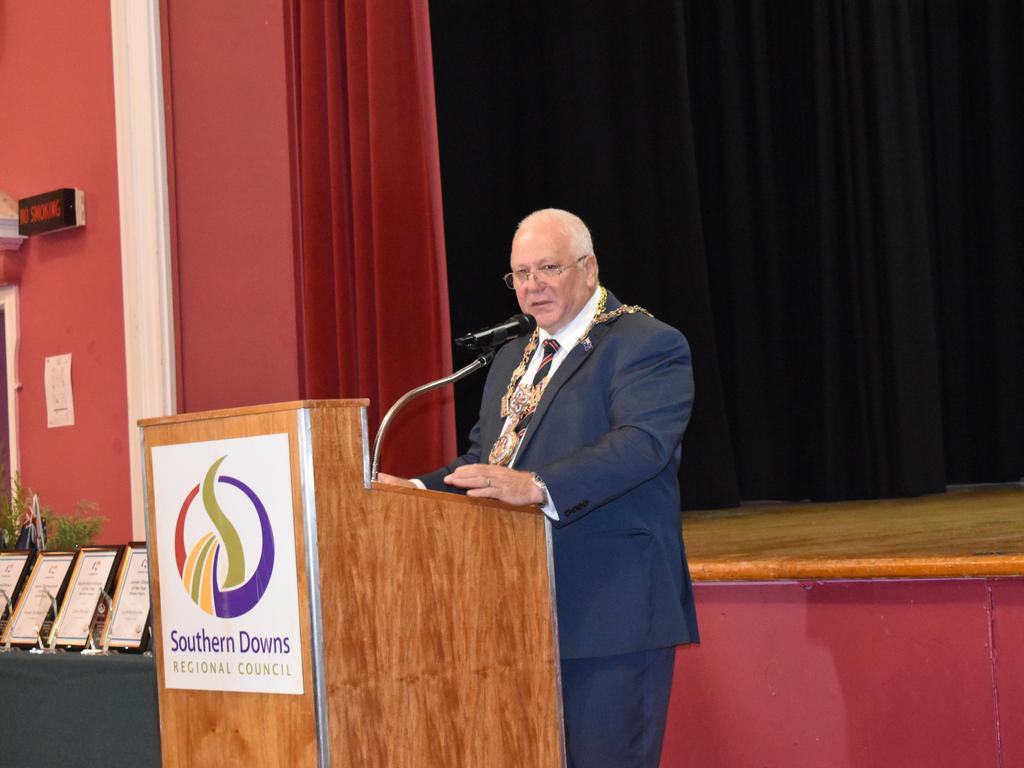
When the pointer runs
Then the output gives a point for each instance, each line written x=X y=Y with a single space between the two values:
x=577 y=355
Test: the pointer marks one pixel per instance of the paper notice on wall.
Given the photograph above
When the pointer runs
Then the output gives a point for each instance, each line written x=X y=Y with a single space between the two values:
x=60 y=401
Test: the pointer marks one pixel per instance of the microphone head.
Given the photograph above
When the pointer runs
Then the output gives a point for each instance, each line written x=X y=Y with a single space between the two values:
x=527 y=324
x=496 y=335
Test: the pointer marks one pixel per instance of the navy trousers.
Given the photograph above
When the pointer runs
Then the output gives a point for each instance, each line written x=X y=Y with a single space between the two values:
x=615 y=708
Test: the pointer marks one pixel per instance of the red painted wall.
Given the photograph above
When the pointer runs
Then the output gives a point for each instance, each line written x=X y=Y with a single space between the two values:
x=1007 y=596
x=57 y=130
x=912 y=673
x=226 y=90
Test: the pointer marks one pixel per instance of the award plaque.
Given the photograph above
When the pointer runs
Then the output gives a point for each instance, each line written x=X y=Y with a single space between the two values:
x=92 y=575
x=130 y=615
x=33 y=613
x=14 y=568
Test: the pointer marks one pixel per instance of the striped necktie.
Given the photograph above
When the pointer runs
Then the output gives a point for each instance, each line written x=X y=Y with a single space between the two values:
x=549 y=349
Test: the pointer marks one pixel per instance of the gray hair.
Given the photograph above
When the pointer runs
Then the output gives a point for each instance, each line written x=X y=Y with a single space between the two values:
x=569 y=225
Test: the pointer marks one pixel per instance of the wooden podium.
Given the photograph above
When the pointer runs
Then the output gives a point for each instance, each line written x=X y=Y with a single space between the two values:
x=426 y=619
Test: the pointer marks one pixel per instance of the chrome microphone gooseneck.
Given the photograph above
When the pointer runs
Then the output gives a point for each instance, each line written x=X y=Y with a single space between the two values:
x=481 y=361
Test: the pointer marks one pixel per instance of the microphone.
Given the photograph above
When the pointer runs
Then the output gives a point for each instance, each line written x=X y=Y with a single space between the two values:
x=496 y=335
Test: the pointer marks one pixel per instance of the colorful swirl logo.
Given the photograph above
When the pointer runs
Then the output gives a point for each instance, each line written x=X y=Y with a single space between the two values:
x=198 y=571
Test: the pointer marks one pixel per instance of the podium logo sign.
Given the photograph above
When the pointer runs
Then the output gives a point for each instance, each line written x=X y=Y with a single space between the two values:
x=199 y=571
x=226 y=545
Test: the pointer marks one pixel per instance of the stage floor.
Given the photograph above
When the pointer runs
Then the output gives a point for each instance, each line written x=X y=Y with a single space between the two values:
x=964 y=532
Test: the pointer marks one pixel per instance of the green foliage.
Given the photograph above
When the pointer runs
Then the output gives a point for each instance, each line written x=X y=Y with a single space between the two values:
x=11 y=508
x=79 y=529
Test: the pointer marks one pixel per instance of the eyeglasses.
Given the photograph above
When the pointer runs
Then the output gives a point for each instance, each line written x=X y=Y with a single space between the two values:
x=544 y=273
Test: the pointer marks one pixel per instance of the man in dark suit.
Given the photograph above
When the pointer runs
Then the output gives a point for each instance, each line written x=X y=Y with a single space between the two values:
x=585 y=419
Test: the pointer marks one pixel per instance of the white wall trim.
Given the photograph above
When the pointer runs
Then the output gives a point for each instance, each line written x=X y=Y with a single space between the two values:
x=9 y=303
x=145 y=227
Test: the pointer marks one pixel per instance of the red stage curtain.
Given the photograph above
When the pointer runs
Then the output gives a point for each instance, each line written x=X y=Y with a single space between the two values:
x=373 y=300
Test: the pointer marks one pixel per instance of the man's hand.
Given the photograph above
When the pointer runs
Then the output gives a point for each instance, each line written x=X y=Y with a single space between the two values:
x=490 y=481
x=392 y=480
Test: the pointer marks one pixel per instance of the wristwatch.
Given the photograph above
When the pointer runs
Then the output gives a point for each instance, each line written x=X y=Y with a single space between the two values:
x=543 y=488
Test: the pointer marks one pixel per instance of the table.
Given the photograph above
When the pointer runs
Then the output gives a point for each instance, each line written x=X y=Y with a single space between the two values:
x=70 y=710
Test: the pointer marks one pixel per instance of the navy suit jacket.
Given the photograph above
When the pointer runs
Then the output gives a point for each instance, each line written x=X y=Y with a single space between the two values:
x=606 y=441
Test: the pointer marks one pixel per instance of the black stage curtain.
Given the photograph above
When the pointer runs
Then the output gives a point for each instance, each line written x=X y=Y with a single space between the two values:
x=826 y=197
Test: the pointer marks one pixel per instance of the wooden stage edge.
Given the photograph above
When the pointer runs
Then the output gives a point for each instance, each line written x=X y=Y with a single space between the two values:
x=963 y=533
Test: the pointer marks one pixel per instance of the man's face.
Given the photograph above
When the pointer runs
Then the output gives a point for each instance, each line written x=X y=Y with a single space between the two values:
x=554 y=301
